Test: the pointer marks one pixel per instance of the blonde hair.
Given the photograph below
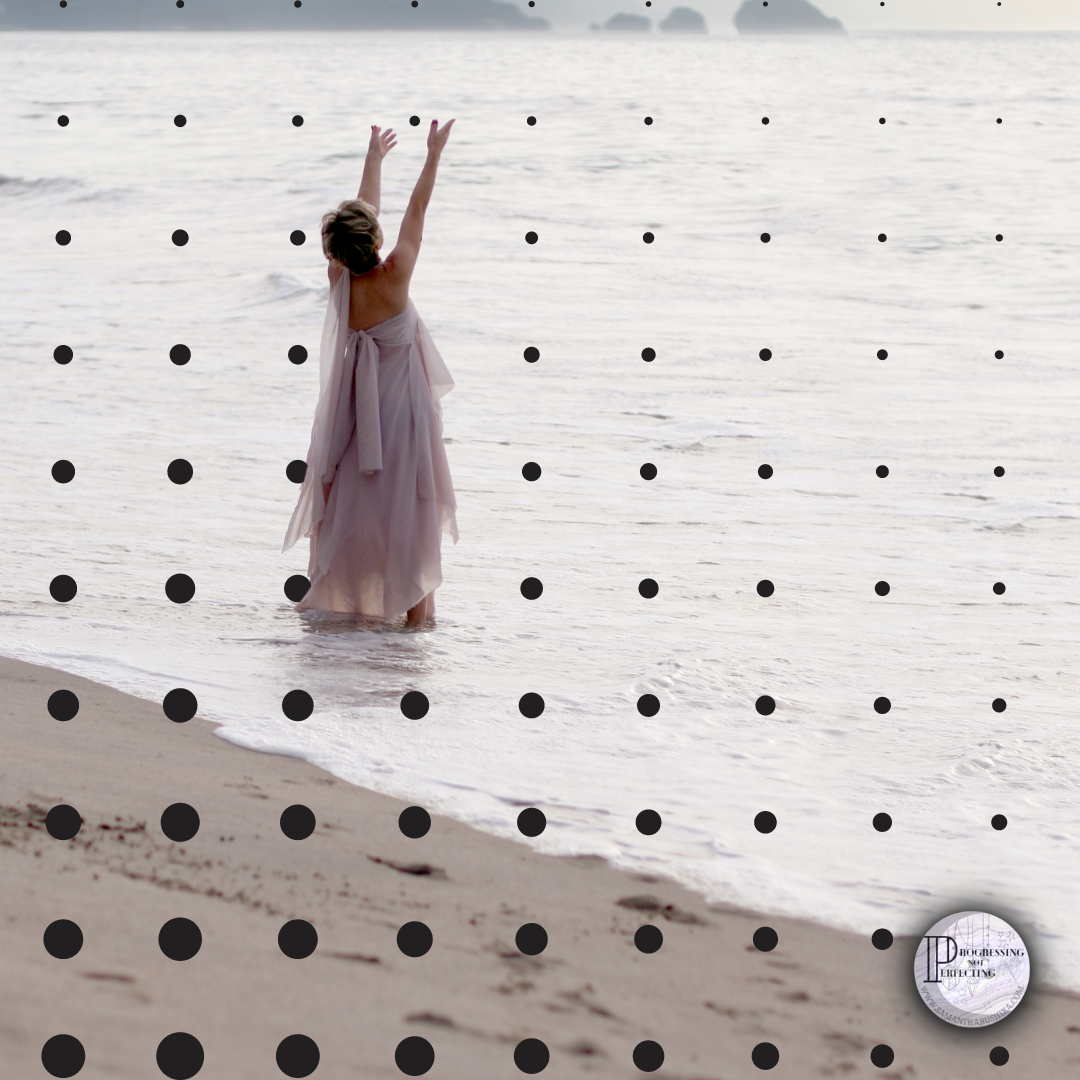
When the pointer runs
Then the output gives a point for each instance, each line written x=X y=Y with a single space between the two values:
x=351 y=234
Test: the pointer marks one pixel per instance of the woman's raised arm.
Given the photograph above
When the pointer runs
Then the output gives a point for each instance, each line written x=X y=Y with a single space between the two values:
x=382 y=142
x=403 y=257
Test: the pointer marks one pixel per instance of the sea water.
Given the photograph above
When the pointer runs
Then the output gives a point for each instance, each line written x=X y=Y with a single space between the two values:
x=940 y=178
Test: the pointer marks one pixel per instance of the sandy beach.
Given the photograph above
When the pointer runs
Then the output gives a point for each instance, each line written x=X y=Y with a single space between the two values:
x=823 y=998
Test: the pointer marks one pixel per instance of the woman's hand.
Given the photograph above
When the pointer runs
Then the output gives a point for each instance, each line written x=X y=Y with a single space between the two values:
x=326 y=492
x=436 y=139
x=382 y=142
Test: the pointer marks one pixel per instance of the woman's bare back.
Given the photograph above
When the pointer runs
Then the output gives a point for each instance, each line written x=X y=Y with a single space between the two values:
x=377 y=295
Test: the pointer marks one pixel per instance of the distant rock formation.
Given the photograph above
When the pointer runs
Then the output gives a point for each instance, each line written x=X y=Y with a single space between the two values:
x=628 y=22
x=684 y=20
x=268 y=15
x=784 y=17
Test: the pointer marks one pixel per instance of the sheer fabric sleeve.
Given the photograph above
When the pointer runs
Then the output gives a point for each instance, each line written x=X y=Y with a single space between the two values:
x=326 y=429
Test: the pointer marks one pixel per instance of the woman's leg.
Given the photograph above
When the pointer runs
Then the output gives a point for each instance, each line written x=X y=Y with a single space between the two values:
x=423 y=612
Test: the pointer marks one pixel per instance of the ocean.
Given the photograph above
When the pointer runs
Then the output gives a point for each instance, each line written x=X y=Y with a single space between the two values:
x=941 y=296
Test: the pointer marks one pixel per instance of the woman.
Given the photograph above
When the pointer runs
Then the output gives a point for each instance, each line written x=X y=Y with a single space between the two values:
x=377 y=494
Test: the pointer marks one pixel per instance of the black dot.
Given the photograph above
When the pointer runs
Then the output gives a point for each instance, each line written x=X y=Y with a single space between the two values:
x=999 y=821
x=414 y=120
x=648 y=704
x=179 y=237
x=882 y=354
x=62 y=939
x=882 y=939
x=531 y=1056
x=999 y=1055
x=414 y=939
x=648 y=822
x=881 y=120
x=647 y=471
x=882 y=588
x=298 y=121
x=297 y=705
x=180 y=822
x=531 y=705
x=882 y=1056
x=179 y=355
x=297 y=822
x=765 y=237
x=765 y=1056
x=180 y=939
x=530 y=120
x=63 y=705
x=765 y=471
x=179 y=705
x=297 y=939
x=648 y=1056
x=532 y=588
x=63 y=472
x=998 y=470
x=62 y=588
x=765 y=822
x=414 y=705
x=765 y=354
x=648 y=588
x=765 y=939
x=999 y=237
x=882 y=704
x=297 y=237
x=63 y=237
x=415 y=3
x=180 y=1055
x=882 y=237
x=765 y=588
x=296 y=585
x=63 y=3
x=648 y=355
x=999 y=355
x=998 y=704
x=531 y=471
x=63 y=121
x=648 y=237
x=414 y=822
x=531 y=939
x=531 y=237
x=882 y=471
x=179 y=588
x=999 y=587
x=648 y=119
x=63 y=1055
x=882 y=822
x=62 y=354
x=296 y=3
x=180 y=471
x=999 y=118
x=532 y=354
x=648 y=939
x=765 y=705
x=414 y=1055
x=179 y=120
x=297 y=1055
x=63 y=822
x=764 y=119
x=180 y=3
x=531 y=821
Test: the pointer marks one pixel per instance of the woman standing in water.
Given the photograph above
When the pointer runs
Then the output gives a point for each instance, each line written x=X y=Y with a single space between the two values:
x=377 y=494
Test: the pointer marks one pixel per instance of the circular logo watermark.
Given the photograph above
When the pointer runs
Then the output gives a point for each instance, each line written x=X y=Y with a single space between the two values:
x=971 y=969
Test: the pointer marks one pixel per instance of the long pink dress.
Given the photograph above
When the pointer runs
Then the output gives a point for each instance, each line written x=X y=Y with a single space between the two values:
x=377 y=436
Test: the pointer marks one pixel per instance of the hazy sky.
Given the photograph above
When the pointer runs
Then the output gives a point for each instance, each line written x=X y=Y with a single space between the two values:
x=854 y=14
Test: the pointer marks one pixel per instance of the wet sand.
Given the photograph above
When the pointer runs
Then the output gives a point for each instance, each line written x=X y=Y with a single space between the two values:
x=824 y=998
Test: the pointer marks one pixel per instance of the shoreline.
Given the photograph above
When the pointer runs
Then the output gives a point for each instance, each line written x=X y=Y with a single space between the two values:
x=823 y=997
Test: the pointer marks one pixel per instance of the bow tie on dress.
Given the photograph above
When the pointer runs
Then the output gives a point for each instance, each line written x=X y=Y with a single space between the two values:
x=368 y=428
